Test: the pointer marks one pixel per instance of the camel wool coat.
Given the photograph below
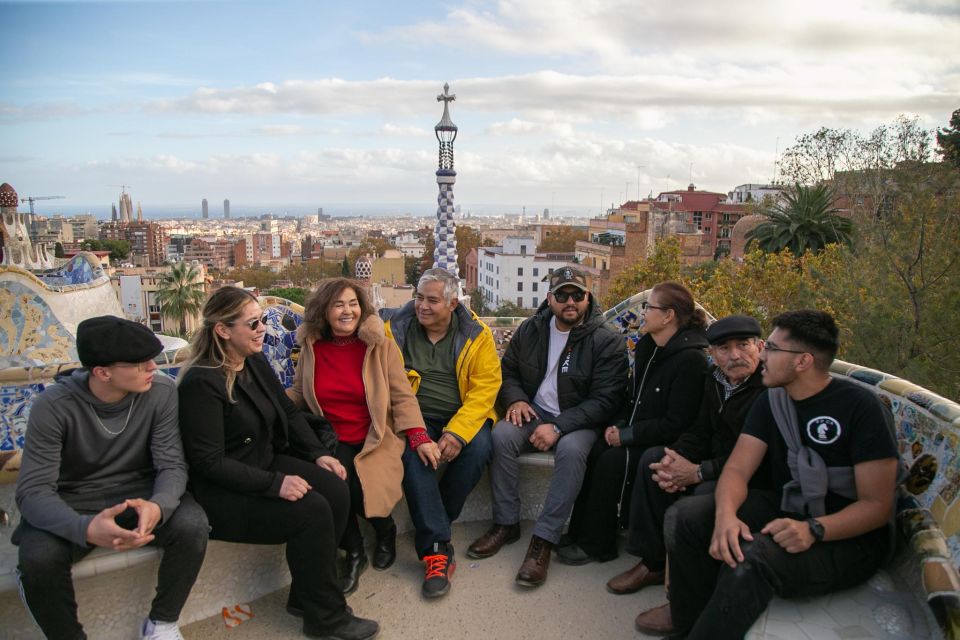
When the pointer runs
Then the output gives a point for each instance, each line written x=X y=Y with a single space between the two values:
x=393 y=409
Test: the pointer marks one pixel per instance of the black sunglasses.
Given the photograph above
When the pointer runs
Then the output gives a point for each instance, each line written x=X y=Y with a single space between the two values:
x=563 y=296
x=646 y=305
x=253 y=324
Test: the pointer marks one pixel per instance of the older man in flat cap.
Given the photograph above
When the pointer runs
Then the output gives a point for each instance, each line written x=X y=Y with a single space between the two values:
x=692 y=464
x=103 y=467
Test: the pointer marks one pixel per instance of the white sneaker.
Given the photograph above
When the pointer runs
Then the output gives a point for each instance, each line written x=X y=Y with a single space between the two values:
x=160 y=631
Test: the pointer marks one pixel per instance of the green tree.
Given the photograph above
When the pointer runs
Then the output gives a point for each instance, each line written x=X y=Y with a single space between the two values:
x=663 y=264
x=806 y=220
x=829 y=154
x=412 y=268
x=293 y=294
x=900 y=286
x=180 y=294
x=562 y=241
x=948 y=139
x=345 y=268
x=429 y=244
x=259 y=277
x=903 y=279
x=468 y=238
x=509 y=309
x=58 y=250
x=119 y=249
x=373 y=246
x=478 y=303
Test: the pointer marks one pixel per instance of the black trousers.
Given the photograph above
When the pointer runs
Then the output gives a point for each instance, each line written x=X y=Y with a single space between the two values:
x=708 y=599
x=603 y=499
x=352 y=539
x=648 y=506
x=45 y=564
x=310 y=527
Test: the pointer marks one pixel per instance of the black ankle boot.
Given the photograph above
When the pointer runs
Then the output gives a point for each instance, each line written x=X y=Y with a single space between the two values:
x=356 y=562
x=386 y=550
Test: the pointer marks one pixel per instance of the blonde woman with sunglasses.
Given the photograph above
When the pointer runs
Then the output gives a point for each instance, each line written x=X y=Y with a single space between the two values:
x=260 y=472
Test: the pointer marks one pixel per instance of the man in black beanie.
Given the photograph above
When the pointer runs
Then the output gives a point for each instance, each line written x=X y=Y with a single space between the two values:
x=103 y=466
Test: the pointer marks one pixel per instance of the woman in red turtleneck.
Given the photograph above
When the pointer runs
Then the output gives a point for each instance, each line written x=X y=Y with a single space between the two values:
x=350 y=373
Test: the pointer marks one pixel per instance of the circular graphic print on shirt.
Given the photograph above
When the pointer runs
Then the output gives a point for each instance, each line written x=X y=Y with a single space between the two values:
x=823 y=429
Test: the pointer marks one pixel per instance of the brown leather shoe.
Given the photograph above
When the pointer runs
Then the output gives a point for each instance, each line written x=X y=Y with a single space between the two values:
x=533 y=571
x=632 y=580
x=489 y=543
x=656 y=622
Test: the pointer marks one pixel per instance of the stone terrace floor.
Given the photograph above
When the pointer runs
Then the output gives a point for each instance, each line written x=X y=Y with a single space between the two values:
x=484 y=602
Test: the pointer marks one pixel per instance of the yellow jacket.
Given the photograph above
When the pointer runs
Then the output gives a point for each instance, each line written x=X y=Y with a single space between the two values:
x=478 y=367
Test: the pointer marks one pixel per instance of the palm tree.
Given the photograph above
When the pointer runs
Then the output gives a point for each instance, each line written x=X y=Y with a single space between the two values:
x=805 y=220
x=179 y=294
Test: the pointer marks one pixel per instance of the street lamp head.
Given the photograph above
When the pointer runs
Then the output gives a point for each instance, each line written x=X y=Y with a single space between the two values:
x=445 y=130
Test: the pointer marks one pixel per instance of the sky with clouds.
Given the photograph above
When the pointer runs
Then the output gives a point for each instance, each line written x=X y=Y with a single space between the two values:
x=558 y=103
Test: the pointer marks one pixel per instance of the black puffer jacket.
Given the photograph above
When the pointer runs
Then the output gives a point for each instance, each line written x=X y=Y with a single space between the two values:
x=669 y=381
x=592 y=374
x=711 y=438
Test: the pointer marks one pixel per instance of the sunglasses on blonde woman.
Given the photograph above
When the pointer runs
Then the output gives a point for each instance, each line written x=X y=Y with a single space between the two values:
x=252 y=324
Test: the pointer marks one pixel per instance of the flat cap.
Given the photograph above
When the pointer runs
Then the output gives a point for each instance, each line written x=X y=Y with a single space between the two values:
x=733 y=327
x=104 y=340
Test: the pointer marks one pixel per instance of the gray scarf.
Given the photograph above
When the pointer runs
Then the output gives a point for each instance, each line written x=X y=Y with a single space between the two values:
x=811 y=478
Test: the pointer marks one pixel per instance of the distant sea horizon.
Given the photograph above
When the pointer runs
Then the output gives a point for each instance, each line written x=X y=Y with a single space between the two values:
x=238 y=210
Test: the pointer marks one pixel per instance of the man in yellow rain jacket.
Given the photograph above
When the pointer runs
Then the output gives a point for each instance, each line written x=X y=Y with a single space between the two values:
x=452 y=362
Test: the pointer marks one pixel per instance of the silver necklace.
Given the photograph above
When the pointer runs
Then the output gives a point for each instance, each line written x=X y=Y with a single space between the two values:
x=125 y=422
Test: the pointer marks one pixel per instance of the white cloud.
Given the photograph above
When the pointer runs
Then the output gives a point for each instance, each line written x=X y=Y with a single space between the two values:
x=574 y=170
x=289 y=130
x=515 y=127
x=645 y=100
x=403 y=131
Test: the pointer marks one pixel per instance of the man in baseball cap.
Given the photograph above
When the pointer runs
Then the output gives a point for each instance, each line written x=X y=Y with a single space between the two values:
x=567 y=276
x=564 y=373
x=103 y=467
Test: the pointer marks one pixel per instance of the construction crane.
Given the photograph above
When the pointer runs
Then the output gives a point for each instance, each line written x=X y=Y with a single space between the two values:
x=123 y=187
x=32 y=199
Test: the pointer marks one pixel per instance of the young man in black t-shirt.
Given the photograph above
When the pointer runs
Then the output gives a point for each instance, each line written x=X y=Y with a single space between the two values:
x=730 y=553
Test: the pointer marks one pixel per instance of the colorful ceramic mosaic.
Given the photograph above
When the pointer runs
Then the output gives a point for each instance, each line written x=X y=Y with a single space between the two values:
x=30 y=334
x=81 y=269
x=14 y=408
x=279 y=343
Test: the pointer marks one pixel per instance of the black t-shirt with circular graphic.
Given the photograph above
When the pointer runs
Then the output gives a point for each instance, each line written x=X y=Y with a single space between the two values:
x=844 y=423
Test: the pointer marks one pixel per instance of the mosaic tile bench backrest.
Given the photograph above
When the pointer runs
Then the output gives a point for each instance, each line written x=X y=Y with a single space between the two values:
x=928 y=426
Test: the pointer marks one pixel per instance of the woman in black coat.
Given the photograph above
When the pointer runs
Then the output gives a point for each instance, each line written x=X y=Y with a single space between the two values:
x=259 y=471
x=668 y=369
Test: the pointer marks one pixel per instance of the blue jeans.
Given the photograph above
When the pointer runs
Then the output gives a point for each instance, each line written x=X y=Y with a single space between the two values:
x=433 y=503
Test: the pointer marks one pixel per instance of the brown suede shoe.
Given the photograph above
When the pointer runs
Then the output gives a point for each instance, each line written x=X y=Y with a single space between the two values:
x=489 y=543
x=533 y=571
x=632 y=580
x=656 y=622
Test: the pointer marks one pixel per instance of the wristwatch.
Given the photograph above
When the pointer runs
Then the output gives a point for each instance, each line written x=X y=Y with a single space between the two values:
x=816 y=529
x=557 y=431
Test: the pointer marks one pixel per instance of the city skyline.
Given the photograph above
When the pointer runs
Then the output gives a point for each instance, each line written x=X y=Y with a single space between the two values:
x=583 y=106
